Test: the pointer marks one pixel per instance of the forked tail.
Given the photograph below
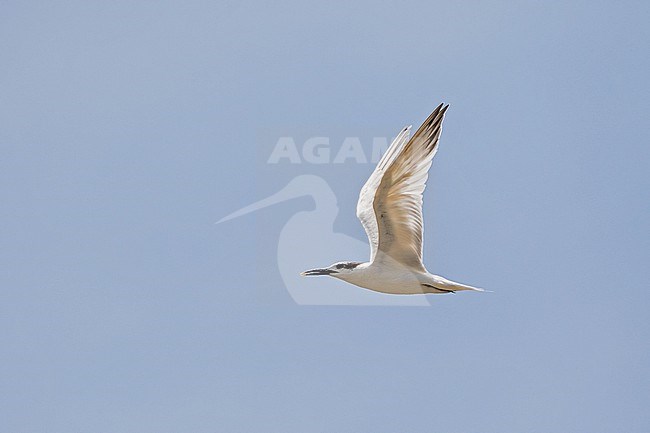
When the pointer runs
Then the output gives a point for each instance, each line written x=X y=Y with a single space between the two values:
x=443 y=285
x=458 y=287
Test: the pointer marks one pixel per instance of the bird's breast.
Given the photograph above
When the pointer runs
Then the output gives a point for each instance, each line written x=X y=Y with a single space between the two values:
x=387 y=279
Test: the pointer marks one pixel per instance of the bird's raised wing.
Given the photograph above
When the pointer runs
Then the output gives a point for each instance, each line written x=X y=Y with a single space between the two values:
x=365 y=206
x=390 y=203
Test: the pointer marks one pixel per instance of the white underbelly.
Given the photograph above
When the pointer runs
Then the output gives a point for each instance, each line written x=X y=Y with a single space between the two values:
x=400 y=281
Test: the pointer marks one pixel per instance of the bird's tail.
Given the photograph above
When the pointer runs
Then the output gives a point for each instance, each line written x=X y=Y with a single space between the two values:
x=457 y=287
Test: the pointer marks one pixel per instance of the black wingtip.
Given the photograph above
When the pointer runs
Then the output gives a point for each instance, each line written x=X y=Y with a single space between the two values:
x=442 y=108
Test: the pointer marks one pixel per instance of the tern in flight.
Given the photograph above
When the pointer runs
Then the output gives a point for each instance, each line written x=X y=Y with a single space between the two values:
x=390 y=210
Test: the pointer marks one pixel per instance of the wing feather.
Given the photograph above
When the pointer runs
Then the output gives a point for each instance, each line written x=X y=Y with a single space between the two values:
x=365 y=205
x=395 y=226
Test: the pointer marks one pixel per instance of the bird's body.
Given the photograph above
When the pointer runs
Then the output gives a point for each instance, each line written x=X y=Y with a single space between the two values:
x=390 y=210
x=398 y=279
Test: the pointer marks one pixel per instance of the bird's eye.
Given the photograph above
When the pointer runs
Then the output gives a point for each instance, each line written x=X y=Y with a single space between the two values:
x=339 y=266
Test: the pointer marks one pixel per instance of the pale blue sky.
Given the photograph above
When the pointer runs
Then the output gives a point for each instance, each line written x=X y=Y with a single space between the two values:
x=128 y=128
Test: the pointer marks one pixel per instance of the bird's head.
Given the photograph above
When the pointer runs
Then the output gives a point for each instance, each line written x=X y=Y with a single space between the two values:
x=337 y=270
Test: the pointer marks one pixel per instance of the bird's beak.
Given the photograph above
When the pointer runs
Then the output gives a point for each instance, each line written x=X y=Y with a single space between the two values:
x=313 y=272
